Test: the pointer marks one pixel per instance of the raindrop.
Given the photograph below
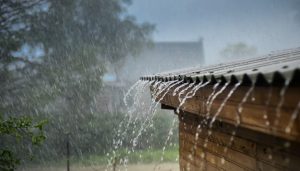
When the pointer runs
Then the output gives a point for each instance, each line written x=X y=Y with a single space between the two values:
x=222 y=160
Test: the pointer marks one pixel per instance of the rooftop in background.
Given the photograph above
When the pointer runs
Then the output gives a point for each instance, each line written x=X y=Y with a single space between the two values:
x=273 y=68
x=163 y=56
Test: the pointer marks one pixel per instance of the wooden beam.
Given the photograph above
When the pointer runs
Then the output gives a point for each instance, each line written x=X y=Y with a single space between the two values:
x=260 y=112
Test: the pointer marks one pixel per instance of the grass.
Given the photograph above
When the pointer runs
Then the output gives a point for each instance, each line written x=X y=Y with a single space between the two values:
x=141 y=156
x=148 y=156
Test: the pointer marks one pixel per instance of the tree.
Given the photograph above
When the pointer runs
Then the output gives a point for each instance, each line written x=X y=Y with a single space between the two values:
x=76 y=37
x=12 y=15
x=17 y=130
x=238 y=50
x=12 y=30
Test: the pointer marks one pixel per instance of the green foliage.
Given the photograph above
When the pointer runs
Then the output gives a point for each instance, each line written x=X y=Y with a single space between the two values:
x=156 y=135
x=20 y=129
x=77 y=38
x=8 y=162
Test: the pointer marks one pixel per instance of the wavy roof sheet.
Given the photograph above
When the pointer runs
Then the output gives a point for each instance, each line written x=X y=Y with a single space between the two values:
x=276 y=68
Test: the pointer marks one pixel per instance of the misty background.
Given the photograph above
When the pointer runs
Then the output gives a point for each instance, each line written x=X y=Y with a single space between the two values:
x=65 y=67
x=267 y=25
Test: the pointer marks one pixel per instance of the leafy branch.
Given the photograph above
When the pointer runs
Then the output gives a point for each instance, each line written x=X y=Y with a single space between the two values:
x=20 y=128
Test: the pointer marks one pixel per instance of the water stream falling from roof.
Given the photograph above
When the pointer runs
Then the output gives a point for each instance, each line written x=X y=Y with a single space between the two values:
x=293 y=118
x=210 y=98
x=209 y=130
x=238 y=117
x=178 y=88
x=224 y=101
x=267 y=104
x=170 y=133
x=183 y=91
x=239 y=97
x=151 y=111
x=280 y=103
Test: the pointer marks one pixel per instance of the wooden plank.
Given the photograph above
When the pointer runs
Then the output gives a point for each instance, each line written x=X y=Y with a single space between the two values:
x=252 y=116
x=232 y=156
x=192 y=121
x=238 y=144
x=212 y=158
x=263 y=166
x=211 y=161
x=186 y=166
x=220 y=162
x=211 y=168
x=259 y=95
x=277 y=158
x=281 y=157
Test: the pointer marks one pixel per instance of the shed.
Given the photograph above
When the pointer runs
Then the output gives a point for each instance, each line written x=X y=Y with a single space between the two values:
x=242 y=115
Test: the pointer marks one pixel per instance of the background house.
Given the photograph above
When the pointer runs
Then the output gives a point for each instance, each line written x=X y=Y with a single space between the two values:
x=161 y=56
x=158 y=57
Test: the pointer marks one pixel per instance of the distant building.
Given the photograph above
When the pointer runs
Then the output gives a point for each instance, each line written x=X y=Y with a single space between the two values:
x=163 y=56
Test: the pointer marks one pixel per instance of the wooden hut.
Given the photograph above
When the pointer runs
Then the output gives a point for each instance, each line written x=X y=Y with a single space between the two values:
x=237 y=116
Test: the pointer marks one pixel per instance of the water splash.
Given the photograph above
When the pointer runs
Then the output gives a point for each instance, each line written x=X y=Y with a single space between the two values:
x=182 y=100
x=192 y=92
x=195 y=89
x=198 y=131
x=267 y=104
x=184 y=90
x=292 y=119
x=156 y=87
x=188 y=90
x=140 y=87
x=214 y=97
x=280 y=103
x=130 y=90
x=170 y=133
x=208 y=101
x=152 y=111
x=240 y=105
x=224 y=101
x=220 y=108
x=238 y=116
x=166 y=89
x=178 y=88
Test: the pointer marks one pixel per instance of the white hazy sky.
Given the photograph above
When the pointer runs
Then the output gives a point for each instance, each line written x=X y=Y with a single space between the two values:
x=266 y=24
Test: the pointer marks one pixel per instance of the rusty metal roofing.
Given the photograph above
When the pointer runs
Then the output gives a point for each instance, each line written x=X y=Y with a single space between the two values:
x=275 y=68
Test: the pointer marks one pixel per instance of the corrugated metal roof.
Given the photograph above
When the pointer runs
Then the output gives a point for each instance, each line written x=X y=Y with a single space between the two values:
x=274 y=68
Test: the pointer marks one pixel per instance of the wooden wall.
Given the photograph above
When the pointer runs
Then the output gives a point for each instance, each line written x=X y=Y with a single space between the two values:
x=260 y=112
x=261 y=141
x=202 y=148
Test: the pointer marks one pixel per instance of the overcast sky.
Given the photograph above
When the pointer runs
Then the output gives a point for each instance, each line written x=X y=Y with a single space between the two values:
x=266 y=24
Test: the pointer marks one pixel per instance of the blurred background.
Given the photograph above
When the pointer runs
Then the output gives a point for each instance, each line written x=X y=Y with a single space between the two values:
x=65 y=67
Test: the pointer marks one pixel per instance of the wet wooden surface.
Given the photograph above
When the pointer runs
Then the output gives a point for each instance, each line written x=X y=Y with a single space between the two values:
x=259 y=142
x=201 y=150
x=261 y=112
